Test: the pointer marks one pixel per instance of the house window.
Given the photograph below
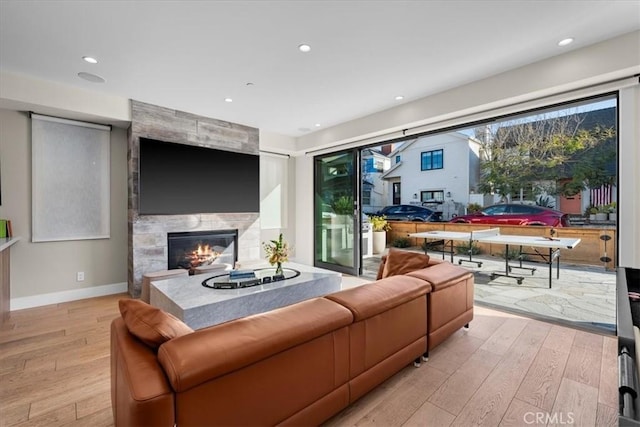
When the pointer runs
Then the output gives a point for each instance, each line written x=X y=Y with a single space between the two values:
x=430 y=196
x=431 y=160
x=372 y=166
x=398 y=158
x=366 y=197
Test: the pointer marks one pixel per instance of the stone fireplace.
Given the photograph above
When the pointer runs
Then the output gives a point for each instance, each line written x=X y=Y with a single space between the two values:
x=191 y=250
x=148 y=234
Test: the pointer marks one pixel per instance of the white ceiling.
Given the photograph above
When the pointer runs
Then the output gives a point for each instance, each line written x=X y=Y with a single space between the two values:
x=191 y=55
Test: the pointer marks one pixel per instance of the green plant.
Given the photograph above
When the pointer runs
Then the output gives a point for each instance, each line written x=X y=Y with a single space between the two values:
x=612 y=207
x=590 y=210
x=343 y=205
x=401 y=242
x=473 y=207
x=513 y=254
x=545 y=201
x=467 y=249
x=379 y=223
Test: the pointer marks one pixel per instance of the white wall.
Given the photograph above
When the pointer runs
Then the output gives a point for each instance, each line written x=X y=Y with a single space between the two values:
x=629 y=178
x=276 y=143
x=304 y=195
x=44 y=273
x=613 y=59
x=453 y=177
x=605 y=61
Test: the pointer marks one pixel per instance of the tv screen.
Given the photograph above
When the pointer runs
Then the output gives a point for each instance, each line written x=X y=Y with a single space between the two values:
x=186 y=179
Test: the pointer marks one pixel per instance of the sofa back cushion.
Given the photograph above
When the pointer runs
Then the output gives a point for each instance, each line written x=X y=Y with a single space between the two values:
x=149 y=324
x=402 y=262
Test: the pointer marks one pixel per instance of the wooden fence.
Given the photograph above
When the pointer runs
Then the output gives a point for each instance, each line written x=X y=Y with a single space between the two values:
x=594 y=248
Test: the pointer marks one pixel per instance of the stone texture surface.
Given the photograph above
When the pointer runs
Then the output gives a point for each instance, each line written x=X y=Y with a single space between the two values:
x=199 y=306
x=148 y=233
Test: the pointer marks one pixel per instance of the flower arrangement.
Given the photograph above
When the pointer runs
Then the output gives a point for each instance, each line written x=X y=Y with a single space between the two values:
x=379 y=223
x=277 y=252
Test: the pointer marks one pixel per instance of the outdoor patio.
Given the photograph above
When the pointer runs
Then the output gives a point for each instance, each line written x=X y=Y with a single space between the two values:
x=583 y=296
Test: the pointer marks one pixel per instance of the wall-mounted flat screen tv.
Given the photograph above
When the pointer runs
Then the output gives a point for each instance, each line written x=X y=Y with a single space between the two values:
x=186 y=179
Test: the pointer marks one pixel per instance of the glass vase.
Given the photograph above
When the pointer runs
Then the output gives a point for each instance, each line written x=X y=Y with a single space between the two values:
x=278 y=268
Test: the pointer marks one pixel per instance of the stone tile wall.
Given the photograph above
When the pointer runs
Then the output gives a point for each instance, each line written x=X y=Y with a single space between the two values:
x=148 y=233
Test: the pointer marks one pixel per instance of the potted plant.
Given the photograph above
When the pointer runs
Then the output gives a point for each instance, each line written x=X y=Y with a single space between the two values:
x=603 y=213
x=473 y=207
x=612 y=211
x=380 y=226
x=591 y=212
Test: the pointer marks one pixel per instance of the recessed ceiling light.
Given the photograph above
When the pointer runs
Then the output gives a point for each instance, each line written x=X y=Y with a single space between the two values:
x=317 y=125
x=399 y=98
x=93 y=78
x=304 y=48
x=90 y=59
x=565 y=42
x=228 y=100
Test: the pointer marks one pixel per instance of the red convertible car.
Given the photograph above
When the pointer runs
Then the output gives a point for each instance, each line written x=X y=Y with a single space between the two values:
x=515 y=214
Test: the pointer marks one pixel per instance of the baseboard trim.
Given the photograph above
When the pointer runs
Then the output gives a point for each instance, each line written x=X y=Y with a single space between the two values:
x=66 y=296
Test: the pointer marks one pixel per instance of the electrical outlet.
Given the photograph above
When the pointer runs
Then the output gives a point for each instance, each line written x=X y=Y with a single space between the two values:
x=80 y=276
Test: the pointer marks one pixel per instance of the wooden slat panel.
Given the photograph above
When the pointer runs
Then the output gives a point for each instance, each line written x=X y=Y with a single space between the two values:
x=541 y=383
x=462 y=384
x=520 y=413
x=608 y=390
x=429 y=415
x=492 y=399
x=576 y=404
x=488 y=368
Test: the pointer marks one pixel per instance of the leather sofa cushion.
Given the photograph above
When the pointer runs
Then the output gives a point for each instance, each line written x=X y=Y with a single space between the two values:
x=149 y=324
x=220 y=349
x=374 y=298
x=441 y=275
x=402 y=262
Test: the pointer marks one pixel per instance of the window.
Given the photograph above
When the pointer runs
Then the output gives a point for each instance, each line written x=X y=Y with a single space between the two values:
x=495 y=210
x=431 y=160
x=372 y=166
x=398 y=158
x=429 y=196
x=366 y=197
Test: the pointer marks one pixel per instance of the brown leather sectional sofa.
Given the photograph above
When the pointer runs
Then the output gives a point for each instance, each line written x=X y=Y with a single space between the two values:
x=297 y=365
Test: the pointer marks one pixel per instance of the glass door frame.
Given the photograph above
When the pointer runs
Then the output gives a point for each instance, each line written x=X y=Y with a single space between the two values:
x=356 y=224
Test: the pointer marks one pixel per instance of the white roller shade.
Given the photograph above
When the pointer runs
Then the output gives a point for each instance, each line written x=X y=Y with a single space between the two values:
x=70 y=179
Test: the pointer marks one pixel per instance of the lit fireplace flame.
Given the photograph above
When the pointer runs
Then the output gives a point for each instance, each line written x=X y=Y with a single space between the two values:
x=203 y=255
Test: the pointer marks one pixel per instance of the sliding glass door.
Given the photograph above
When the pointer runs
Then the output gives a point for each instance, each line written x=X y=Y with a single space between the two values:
x=336 y=219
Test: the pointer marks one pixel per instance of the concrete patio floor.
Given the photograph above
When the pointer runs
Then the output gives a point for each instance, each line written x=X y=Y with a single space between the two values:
x=583 y=297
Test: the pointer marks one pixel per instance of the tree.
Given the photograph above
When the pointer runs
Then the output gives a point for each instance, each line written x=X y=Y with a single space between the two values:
x=535 y=154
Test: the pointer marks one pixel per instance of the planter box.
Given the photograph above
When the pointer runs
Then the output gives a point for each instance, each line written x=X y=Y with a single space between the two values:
x=379 y=241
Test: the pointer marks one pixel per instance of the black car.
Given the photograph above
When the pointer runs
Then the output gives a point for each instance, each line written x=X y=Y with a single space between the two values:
x=410 y=213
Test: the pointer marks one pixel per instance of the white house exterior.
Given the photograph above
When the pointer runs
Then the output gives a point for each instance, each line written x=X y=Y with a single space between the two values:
x=374 y=188
x=442 y=168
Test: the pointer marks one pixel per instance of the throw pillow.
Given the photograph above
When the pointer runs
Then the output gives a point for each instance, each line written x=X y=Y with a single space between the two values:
x=401 y=262
x=149 y=324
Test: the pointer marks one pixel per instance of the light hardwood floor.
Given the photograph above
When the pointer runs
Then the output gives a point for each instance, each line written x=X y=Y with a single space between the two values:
x=504 y=371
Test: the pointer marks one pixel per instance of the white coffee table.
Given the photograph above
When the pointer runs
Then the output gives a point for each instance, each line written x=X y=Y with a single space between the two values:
x=199 y=306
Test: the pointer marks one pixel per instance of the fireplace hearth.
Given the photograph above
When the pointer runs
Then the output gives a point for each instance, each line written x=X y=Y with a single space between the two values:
x=193 y=249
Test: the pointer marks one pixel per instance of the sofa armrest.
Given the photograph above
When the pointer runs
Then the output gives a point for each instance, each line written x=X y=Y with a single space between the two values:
x=140 y=393
x=209 y=353
x=442 y=275
x=374 y=298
